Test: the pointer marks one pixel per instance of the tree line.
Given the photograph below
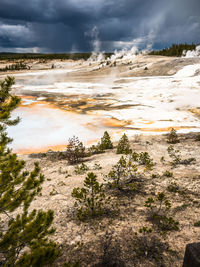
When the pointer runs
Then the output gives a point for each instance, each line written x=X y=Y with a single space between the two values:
x=61 y=56
x=175 y=50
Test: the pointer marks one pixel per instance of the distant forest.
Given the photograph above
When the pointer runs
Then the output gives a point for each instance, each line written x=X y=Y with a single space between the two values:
x=20 y=56
x=176 y=50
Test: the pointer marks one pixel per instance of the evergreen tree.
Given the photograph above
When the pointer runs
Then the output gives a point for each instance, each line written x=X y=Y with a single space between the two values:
x=172 y=137
x=123 y=146
x=23 y=234
x=105 y=142
x=90 y=199
x=123 y=175
x=75 y=150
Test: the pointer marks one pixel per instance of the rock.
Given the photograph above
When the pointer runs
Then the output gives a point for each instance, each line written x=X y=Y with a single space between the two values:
x=192 y=255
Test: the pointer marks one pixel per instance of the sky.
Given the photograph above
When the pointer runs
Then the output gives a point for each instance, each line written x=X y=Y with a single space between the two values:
x=54 y=26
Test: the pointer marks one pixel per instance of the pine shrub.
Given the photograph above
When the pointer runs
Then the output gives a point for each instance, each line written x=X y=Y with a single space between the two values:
x=95 y=149
x=81 y=169
x=124 y=175
x=174 y=155
x=123 y=146
x=197 y=224
x=158 y=213
x=105 y=142
x=143 y=158
x=172 y=137
x=75 y=150
x=91 y=200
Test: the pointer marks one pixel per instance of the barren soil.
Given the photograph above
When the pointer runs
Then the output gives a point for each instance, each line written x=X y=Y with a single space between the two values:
x=57 y=188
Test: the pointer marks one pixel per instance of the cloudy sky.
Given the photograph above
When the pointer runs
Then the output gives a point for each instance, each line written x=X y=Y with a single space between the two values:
x=97 y=25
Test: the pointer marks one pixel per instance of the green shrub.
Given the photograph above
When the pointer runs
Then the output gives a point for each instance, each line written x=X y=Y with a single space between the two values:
x=173 y=188
x=75 y=150
x=123 y=146
x=95 y=150
x=105 y=142
x=168 y=174
x=53 y=192
x=135 y=156
x=123 y=175
x=91 y=200
x=100 y=148
x=97 y=166
x=174 y=155
x=155 y=175
x=172 y=137
x=143 y=158
x=197 y=224
x=158 y=209
x=81 y=169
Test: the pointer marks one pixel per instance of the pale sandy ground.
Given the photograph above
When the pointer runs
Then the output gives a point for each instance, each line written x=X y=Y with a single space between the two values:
x=133 y=213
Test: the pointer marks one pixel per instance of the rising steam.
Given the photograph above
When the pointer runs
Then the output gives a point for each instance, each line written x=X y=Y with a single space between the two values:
x=192 y=53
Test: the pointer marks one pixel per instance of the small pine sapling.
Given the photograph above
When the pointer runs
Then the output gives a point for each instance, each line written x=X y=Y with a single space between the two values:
x=95 y=149
x=81 y=169
x=197 y=224
x=91 y=200
x=174 y=155
x=105 y=142
x=168 y=174
x=173 y=187
x=155 y=175
x=135 y=156
x=118 y=174
x=75 y=150
x=123 y=146
x=97 y=166
x=158 y=209
x=173 y=137
x=123 y=175
x=145 y=159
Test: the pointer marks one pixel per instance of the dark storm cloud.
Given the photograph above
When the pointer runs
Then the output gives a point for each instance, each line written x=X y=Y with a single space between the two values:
x=76 y=25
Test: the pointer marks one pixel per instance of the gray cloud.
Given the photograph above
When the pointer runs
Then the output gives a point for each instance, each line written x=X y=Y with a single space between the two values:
x=67 y=25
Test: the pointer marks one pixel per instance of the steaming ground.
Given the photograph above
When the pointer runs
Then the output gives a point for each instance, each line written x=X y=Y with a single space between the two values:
x=136 y=94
